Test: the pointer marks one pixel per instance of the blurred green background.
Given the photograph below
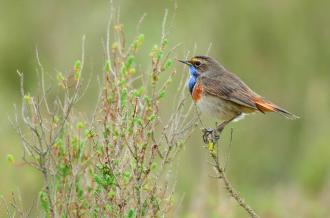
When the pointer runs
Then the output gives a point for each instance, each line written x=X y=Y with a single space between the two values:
x=280 y=48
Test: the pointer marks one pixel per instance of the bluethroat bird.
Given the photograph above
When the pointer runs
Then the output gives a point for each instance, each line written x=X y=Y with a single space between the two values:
x=223 y=95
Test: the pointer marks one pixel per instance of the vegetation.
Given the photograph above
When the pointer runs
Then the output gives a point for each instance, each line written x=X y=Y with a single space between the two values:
x=118 y=161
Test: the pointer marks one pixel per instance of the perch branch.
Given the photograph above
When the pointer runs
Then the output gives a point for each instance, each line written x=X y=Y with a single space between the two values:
x=213 y=148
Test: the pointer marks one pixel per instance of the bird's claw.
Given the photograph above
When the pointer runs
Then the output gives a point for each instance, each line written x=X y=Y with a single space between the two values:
x=206 y=132
x=210 y=134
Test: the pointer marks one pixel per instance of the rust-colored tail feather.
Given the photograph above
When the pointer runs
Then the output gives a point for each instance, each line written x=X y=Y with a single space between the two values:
x=264 y=107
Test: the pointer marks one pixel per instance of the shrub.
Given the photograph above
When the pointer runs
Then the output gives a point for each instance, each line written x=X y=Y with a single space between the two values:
x=117 y=162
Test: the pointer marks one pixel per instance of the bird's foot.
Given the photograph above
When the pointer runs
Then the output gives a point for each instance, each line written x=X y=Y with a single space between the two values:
x=210 y=134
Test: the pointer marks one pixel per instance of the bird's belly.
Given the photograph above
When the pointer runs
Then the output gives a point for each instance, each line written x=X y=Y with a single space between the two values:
x=218 y=108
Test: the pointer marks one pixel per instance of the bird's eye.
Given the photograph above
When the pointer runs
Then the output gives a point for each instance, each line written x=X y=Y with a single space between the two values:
x=198 y=63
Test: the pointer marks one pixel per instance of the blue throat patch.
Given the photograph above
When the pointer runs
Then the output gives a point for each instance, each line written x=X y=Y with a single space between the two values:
x=192 y=80
x=191 y=83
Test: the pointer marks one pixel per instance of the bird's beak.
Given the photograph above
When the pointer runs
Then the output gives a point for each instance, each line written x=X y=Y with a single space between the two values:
x=183 y=61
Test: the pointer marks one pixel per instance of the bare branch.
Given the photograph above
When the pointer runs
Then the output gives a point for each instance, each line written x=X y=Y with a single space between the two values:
x=221 y=175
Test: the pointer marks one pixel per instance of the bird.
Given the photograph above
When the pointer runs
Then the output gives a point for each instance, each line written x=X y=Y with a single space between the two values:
x=222 y=94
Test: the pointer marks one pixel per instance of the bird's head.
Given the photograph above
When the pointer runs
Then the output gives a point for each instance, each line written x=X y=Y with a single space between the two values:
x=199 y=64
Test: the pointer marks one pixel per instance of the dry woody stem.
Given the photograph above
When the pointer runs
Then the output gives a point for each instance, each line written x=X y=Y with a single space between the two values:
x=213 y=146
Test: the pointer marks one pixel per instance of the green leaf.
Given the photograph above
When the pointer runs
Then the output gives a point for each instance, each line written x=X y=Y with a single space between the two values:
x=63 y=170
x=131 y=213
x=130 y=61
x=152 y=118
x=107 y=66
x=79 y=190
x=147 y=100
x=77 y=69
x=109 y=208
x=161 y=93
x=44 y=202
x=168 y=64
x=138 y=92
x=138 y=42
x=77 y=65
x=123 y=96
x=160 y=54
x=127 y=176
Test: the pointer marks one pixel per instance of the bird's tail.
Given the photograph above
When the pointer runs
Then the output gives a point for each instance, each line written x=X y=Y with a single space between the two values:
x=264 y=106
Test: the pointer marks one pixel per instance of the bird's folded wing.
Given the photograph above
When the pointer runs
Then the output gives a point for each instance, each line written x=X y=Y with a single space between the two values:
x=229 y=87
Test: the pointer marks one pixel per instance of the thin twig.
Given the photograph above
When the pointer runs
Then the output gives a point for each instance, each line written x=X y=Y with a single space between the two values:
x=213 y=148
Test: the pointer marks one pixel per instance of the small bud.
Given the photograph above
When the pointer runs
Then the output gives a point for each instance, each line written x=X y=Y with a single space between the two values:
x=118 y=27
x=80 y=125
x=141 y=38
x=164 y=43
x=60 y=79
x=111 y=194
x=27 y=98
x=211 y=148
x=89 y=133
x=56 y=119
x=132 y=71
x=77 y=69
x=10 y=158
x=114 y=46
x=154 y=50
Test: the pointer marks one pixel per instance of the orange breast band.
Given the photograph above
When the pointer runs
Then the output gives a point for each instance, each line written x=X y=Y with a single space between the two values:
x=197 y=92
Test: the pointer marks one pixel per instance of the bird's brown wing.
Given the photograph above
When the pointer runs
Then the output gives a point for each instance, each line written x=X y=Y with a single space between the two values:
x=229 y=87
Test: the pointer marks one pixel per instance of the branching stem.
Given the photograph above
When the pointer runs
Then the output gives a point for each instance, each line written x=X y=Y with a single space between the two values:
x=213 y=147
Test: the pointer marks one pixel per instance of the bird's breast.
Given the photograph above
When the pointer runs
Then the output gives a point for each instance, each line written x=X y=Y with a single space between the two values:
x=217 y=107
x=196 y=93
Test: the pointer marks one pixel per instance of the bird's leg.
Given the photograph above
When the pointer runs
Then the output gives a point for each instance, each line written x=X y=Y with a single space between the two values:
x=214 y=134
x=220 y=127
